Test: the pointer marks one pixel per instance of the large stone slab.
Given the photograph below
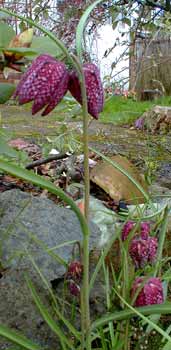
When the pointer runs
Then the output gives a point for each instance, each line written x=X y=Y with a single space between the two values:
x=35 y=226
x=31 y=225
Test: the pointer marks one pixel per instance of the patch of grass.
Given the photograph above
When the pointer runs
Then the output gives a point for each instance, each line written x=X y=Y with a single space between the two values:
x=118 y=110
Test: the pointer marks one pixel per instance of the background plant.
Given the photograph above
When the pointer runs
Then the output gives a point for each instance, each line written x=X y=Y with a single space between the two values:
x=101 y=329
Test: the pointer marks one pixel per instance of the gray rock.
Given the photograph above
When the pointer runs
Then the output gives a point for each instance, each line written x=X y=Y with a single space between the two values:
x=19 y=312
x=32 y=225
x=28 y=227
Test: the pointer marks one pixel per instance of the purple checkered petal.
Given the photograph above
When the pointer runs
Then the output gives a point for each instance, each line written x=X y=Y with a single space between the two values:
x=45 y=82
x=151 y=293
x=58 y=93
x=94 y=88
x=127 y=229
x=152 y=249
x=32 y=71
x=143 y=251
x=145 y=229
x=139 y=252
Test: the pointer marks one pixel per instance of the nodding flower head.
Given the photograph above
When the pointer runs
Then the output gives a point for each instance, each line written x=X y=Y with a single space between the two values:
x=74 y=288
x=75 y=270
x=45 y=82
x=145 y=229
x=74 y=277
x=143 y=251
x=151 y=293
x=127 y=229
x=94 y=88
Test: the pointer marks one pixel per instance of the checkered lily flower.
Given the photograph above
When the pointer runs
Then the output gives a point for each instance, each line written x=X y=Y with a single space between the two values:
x=94 y=88
x=151 y=293
x=45 y=82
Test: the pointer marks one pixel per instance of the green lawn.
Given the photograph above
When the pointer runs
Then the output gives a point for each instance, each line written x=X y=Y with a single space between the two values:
x=124 y=111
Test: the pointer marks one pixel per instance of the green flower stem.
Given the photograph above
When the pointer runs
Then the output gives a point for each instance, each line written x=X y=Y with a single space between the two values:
x=85 y=287
x=85 y=314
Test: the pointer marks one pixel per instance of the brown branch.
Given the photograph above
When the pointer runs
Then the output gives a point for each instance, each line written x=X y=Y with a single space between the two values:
x=46 y=160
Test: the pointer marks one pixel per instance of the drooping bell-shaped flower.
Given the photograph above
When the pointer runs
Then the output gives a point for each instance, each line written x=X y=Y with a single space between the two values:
x=145 y=229
x=151 y=293
x=74 y=276
x=143 y=251
x=94 y=88
x=75 y=270
x=45 y=82
x=127 y=228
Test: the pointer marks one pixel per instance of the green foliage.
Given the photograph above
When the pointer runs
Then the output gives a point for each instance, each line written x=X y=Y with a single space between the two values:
x=16 y=338
x=43 y=44
x=118 y=306
x=6 y=91
x=9 y=34
x=9 y=153
x=65 y=141
x=23 y=50
x=119 y=110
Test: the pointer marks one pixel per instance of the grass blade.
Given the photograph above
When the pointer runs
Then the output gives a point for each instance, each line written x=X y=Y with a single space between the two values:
x=162 y=309
x=47 y=317
x=15 y=337
x=59 y=314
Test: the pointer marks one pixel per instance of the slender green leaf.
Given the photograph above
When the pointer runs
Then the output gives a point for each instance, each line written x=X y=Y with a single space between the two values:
x=6 y=34
x=146 y=319
x=6 y=91
x=162 y=309
x=81 y=26
x=43 y=44
x=15 y=337
x=25 y=51
x=47 y=317
x=59 y=314
x=6 y=150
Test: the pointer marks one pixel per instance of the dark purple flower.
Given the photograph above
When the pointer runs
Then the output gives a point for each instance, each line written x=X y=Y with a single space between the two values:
x=143 y=251
x=151 y=293
x=94 y=88
x=127 y=229
x=45 y=82
x=74 y=276
x=74 y=288
x=75 y=271
x=145 y=229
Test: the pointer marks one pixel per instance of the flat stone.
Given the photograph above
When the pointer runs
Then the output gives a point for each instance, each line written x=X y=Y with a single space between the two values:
x=34 y=226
